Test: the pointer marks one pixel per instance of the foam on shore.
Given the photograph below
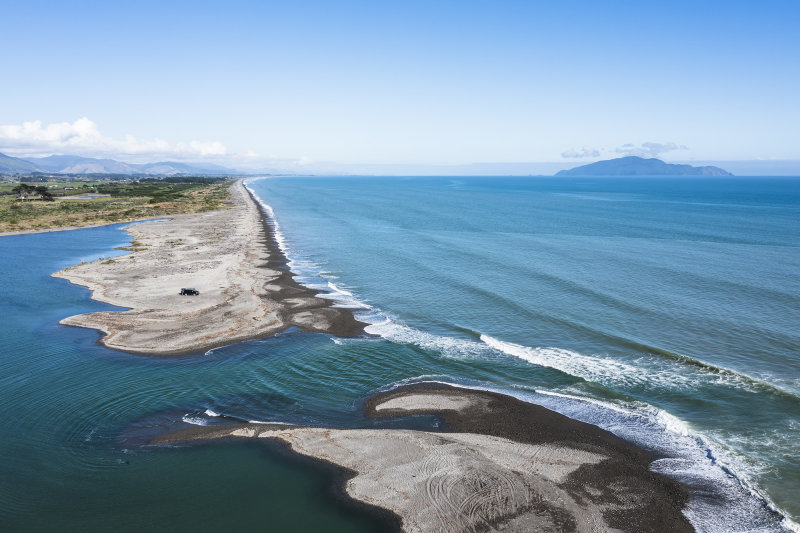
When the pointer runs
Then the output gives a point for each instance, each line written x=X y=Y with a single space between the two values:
x=503 y=464
x=724 y=497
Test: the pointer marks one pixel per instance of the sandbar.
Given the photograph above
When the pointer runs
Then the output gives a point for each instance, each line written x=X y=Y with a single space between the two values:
x=496 y=464
x=230 y=256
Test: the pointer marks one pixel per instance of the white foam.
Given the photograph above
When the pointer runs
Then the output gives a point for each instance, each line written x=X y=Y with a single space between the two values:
x=209 y=412
x=598 y=369
x=645 y=371
x=448 y=346
x=309 y=273
x=738 y=505
x=672 y=423
x=605 y=405
x=595 y=368
x=337 y=289
x=270 y=422
x=195 y=420
x=279 y=238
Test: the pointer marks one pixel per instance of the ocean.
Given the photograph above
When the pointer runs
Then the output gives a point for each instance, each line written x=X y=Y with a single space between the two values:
x=666 y=310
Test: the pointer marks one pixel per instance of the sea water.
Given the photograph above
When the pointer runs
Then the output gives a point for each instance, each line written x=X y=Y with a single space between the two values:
x=665 y=310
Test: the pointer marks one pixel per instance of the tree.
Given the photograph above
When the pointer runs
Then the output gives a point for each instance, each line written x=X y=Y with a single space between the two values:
x=41 y=190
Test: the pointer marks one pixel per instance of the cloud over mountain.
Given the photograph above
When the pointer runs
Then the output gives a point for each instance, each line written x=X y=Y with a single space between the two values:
x=83 y=136
x=646 y=149
x=583 y=152
x=649 y=149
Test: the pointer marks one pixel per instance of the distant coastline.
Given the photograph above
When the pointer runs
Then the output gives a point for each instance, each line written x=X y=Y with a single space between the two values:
x=82 y=168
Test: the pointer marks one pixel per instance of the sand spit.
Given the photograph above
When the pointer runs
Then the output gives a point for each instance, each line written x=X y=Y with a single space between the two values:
x=500 y=464
x=246 y=290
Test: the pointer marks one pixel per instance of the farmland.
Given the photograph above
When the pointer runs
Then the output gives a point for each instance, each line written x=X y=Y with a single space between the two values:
x=107 y=202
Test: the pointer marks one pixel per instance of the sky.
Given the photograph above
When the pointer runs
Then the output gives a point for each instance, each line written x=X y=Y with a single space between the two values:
x=387 y=82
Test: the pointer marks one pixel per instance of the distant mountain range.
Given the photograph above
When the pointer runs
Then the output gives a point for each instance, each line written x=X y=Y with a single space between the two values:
x=623 y=166
x=13 y=165
x=70 y=164
x=639 y=166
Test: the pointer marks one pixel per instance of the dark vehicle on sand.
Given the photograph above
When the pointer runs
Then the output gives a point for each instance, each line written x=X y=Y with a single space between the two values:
x=189 y=292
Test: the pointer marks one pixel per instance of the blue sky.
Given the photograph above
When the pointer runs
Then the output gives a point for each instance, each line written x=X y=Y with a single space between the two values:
x=402 y=82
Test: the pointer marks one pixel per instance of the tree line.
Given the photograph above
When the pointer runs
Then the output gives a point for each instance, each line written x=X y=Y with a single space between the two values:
x=25 y=189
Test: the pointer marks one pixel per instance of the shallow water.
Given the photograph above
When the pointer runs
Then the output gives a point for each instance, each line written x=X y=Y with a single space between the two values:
x=664 y=310
x=69 y=458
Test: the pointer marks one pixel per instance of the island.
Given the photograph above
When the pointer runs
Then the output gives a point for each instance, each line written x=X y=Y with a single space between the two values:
x=639 y=166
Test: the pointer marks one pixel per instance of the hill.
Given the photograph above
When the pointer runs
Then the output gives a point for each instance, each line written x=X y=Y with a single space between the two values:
x=13 y=165
x=172 y=168
x=639 y=166
x=71 y=164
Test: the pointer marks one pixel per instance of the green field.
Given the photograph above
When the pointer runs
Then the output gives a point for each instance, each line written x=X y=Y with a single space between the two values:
x=6 y=186
x=125 y=201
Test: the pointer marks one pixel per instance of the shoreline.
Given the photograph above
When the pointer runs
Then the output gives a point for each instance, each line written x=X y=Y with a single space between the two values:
x=498 y=463
x=342 y=321
x=246 y=289
x=54 y=229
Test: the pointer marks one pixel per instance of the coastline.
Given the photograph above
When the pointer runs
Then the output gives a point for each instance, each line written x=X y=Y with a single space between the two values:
x=303 y=312
x=70 y=228
x=435 y=368
x=497 y=463
x=231 y=257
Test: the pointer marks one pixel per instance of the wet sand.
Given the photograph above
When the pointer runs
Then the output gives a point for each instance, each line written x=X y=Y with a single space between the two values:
x=231 y=257
x=498 y=464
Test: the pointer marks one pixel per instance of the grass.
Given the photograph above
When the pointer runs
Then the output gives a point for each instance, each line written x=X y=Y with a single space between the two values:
x=57 y=187
x=127 y=201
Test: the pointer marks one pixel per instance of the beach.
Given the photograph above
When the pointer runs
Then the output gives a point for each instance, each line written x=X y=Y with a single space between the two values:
x=497 y=464
x=229 y=256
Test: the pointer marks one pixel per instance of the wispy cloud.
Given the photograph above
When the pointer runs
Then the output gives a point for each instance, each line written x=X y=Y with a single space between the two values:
x=649 y=149
x=586 y=151
x=83 y=137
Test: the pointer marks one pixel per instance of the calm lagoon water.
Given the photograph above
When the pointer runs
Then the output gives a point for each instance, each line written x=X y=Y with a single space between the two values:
x=665 y=310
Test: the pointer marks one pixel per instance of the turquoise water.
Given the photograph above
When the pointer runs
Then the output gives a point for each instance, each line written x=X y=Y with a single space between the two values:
x=665 y=310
